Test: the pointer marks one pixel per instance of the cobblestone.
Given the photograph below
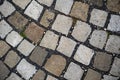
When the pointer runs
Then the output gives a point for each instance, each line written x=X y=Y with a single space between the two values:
x=107 y=77
x=46 y=2
x=13 y=76
x=51 y=78
x=5 y=28
x=96 y=2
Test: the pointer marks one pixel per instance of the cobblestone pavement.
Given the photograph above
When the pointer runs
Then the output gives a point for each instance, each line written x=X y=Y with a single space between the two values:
x=60 y=40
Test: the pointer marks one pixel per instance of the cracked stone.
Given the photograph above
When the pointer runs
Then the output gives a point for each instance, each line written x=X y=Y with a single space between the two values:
x=55 y=64
x=81 y=31
x=18 y=21
x=34 y=10
x=46 y=2
x=80 y=10
x=113 y=44
x=98 y=20
x=13 y=76
x=38 y=55
x=66 y=46
x=62 y=24
x=5 y=28
x=102 y=61
x=26 y=69
x=74 y=72
x=12 y=59
x=64 y=6
x=98 y=38
x=34 y=32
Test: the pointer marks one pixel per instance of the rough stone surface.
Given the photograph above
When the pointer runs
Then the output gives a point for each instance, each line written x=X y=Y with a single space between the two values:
x=38 y=55
x=51 y=78
x=92 y=75
x=81 y=31
x=98 y=38
x=46 y=2
x=102 y=61
x=34 y=10
x=107 y=77
x=40 y=75
x=13 y=76
x=66 y=46
x=96 y=2
x=47 y=18
x=113 y=44
x=55 y=64
x=14 y=39
x=80 y=10
x=98 y=20
x=115 y=70
x=34 y=32
x=7 y=10
x=3 y=71
x=62 y=24
x=4 y=47
x=5 y=28
x=64 y=6
x=21 y=3
x=18 y=21
x=26 y=69
x=113 y=5
x=49 y=40
x=84 y=55
x=12 y=59
x=74 y=72
x=25 y=47
x=114 y=24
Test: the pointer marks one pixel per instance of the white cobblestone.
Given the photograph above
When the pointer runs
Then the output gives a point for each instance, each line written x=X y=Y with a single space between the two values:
x=107 y=77
x=81 y=31
x=84 y=55
x=46 y=2
x=64 y=6
x=34 y=10
x=66 y=46
x=5 y=28
x=25 y=47
x=62 y=24
x=26 y=69
x=14 y=38
x=49 y=77
x=13 y=76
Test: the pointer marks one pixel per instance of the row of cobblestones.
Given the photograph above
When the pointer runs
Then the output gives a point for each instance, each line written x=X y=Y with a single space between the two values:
x=60 y=40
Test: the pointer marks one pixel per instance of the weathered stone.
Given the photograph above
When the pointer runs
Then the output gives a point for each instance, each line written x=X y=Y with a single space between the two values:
x=47 y=18
x=102 y=61
x=51 y=78
x=38 y=55
x=81 y=31
x=18 y=21
x=34 y=10
x=64 y=6
x=7 y=10
x=5 y=28
x=40 y=75
x=4 y=47
x=114 y=24
x=92 y=75
x=26 y=69
x=62 y=24
x=98 y=17
x=14 y=38
x=80 y=10
x=34 y=32
x=96 y=2
x=3 y=71
x=113 y=44
x=98 y=38
x=46 y=2
x=115 y=70
x=12 y=59
x=107 y=77
x=113 y=5
x=84 y=55
x=25 y=47
x=74 y=72
x=55 y=64
x=13 y=76
x=49 y=40
x=66 y=46
x=21 y=3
